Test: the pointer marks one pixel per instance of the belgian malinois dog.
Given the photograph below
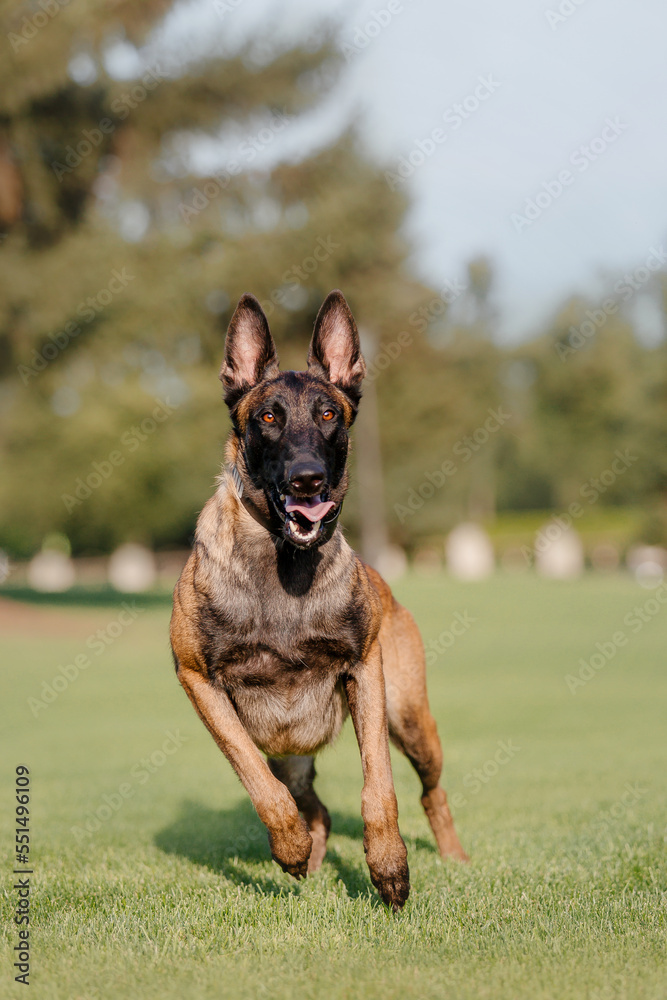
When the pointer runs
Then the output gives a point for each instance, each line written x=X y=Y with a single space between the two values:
x=279 y=630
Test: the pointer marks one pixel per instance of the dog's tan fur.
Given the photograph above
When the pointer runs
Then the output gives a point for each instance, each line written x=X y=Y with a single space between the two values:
x=274 y=654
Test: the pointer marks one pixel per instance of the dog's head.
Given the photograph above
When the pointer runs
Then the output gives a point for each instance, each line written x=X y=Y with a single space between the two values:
x=292 y=427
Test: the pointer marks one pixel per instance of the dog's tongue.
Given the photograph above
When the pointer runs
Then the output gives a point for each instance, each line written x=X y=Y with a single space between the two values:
x=311 y=507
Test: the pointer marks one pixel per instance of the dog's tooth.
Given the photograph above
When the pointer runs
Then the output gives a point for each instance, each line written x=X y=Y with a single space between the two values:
x=282 y=498
x=316 y=526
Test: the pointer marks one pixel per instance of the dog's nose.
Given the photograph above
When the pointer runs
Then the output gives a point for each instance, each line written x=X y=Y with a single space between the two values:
x=307 y=477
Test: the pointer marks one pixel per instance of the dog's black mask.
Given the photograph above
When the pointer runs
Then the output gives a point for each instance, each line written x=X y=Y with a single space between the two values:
x=292 y=427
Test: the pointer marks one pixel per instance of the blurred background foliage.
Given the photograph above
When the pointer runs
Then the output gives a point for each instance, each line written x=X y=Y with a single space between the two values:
x=118 y=251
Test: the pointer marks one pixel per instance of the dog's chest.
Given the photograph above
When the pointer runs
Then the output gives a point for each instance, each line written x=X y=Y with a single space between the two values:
x=281 y=659
x=285 y=681
x=288 y=706
x=261 y=631
x=284 y=639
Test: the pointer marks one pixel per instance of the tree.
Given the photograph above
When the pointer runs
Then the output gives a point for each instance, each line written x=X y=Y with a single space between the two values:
x=121 y=266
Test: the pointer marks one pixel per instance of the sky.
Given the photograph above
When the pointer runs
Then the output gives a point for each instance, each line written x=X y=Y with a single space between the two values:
x=485 y=107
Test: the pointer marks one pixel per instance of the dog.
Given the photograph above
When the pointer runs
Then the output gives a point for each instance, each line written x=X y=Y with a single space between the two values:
x=279 y=630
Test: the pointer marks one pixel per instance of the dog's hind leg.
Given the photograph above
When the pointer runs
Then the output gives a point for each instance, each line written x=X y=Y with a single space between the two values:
x=412 y=728
x=298 y=774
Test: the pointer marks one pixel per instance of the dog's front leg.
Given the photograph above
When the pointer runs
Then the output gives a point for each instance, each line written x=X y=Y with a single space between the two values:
x=289 y=838
x=385 y=851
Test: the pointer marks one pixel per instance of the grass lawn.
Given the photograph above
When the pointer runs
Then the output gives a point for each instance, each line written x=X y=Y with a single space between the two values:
x=173 y=893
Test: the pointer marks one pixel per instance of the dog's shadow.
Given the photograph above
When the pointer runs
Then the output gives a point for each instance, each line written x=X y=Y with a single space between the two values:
x=222 y=840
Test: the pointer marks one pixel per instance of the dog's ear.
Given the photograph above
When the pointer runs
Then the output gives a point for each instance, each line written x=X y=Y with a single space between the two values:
x=334 y=351
x=250 y=354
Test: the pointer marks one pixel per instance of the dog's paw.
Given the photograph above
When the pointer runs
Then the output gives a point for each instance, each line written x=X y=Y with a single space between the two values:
x=388 y=867
x=394 y=889
x=291 y=847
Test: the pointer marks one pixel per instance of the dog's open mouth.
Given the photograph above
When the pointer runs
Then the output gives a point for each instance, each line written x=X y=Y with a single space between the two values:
x=304 y=517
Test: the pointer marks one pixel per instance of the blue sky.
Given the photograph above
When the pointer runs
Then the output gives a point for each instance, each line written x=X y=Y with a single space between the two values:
x=557 y=74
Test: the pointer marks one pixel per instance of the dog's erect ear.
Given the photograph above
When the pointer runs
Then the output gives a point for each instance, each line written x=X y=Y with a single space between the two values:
x=250 y=354
x=334 y=351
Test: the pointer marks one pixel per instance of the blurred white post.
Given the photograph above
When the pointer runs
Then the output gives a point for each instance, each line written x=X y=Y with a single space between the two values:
x=469 y=553
x=51 y=572
x=559 y=554
x=132 y=568
x=648 y=564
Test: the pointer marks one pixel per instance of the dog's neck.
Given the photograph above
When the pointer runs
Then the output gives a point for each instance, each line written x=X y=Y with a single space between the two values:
x=261 y=555
x=244 y=499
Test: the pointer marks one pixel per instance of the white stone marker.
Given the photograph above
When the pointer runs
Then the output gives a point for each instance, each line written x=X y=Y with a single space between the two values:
x=132 y=569
x=469 y=553
x=559 y=554
x=51 y=572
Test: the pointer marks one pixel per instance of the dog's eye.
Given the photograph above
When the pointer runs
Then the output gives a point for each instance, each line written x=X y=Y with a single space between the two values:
x=268 y=417
x=328 y=415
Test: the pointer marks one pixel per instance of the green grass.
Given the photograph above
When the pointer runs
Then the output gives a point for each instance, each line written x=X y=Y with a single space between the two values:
x=175 y=895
